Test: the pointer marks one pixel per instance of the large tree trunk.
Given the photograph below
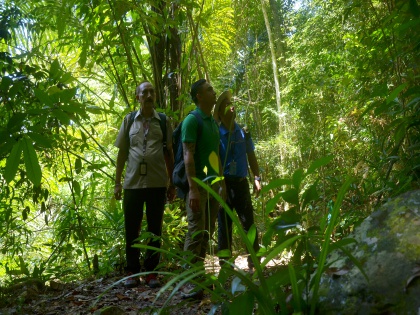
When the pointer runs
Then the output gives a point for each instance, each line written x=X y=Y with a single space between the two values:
x=165 y=53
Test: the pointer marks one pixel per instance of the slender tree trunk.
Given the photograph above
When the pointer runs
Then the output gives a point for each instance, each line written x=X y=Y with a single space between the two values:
x=173 y=75
x=274 y=62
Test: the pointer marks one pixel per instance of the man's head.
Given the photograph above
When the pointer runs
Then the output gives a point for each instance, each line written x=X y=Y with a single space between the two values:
x=203 y=94
x=145 y=95
x=224 y=111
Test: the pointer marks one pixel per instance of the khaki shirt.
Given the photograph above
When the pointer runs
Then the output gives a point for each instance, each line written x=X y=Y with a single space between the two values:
x=150 y=152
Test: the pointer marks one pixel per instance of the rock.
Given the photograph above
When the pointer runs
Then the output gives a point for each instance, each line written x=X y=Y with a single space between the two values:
x=388 y=249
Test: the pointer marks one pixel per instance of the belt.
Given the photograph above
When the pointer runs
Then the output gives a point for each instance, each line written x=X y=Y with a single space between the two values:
x=235 y=179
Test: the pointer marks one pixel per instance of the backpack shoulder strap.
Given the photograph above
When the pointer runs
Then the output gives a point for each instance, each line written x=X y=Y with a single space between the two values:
x=129 y=124
x=162 y=123
x=200 y=122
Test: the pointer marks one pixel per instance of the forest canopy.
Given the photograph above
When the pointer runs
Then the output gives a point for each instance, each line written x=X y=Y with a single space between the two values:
x=328 y=89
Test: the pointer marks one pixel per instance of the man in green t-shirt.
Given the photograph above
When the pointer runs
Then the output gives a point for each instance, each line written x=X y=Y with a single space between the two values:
x=201 y=157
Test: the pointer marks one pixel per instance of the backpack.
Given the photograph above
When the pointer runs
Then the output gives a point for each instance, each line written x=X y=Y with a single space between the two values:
x=179 y=177
x=162 y=123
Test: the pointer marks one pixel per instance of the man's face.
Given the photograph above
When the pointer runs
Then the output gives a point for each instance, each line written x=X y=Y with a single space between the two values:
x=146 y=95
x=207 y=95
x=227 y=110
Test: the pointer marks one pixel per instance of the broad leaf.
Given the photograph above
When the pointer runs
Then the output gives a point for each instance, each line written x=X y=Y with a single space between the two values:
x=318 y=163
x=252 y=232
x=78 y=166
x=43 y=97
x=40 y=140
x=214 y=162
x=395 y=93
x=277 y=183
x=16 y=121
x=309 y=195
x=33 y=170
x=291 y=196
x=242 y=304
x=297 y=178
x=12 y=162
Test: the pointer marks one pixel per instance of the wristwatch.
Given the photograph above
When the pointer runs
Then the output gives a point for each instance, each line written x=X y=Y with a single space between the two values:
x=258 y=178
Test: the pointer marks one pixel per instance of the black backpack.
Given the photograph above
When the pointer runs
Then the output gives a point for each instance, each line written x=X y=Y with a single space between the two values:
x=162 y=124
x=179 y=177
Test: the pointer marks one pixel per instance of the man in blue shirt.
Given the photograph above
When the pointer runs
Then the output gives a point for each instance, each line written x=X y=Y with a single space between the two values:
x=236 y=151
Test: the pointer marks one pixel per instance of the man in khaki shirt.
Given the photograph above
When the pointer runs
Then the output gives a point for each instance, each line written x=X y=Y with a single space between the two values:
x=146 y=179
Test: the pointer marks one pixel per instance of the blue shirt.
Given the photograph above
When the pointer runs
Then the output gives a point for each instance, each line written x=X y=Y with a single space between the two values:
x=234 y=147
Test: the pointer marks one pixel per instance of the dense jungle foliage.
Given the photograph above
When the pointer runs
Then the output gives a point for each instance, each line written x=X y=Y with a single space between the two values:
x=329 y=90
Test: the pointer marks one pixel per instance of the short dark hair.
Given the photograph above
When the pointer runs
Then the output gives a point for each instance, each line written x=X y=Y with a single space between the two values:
x=195 y=88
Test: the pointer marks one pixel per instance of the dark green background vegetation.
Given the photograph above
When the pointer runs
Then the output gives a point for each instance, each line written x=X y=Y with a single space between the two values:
x=329 y=89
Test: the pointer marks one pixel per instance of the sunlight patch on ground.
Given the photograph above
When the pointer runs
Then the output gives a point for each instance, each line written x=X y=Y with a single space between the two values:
x=212 y=262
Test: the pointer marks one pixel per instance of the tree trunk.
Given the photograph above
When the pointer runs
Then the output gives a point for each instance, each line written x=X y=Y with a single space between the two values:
x=274 y=62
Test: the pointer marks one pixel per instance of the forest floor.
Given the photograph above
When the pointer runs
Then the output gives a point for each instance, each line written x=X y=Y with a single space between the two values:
x=104 y=296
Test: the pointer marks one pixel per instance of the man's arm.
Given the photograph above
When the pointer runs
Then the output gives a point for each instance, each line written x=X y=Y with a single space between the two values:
x=253 y=164
x=121 y=158
x=194 y=195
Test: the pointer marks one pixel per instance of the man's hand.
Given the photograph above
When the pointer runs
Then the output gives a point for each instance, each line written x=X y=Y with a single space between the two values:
x=257 y=187
x=118 y=191
x=194 y=197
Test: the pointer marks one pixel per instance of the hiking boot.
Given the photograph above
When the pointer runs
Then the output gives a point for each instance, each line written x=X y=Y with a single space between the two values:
x=192 y=292
x=152 y=281
x=131 y=282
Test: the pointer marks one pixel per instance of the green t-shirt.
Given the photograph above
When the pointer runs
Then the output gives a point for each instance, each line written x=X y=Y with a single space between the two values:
x=207 y=148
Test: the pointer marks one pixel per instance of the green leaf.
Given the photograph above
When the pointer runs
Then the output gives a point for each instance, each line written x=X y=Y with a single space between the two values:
x=15 y=123
x=414 y=8
x=66 y=78
x=43 y=97
x=76 y=187
x=242 y=304
x=291 y=196
x=54 y=69
x=326 y=243
x=400 y=132
x=309 y=195
x=13 y=161
x=341 y=243
x=25 y=213
x=295 y=289
x=94 y=109
x=272 y=203
x=96 y=166
x=252 y=232
x=318 y=163
x=67 y=95
x=62 y=116
x=297 y=178
x=395 y=93
x=83 y=55
x=23 y=266
x=78 y=166
x=279 y=249
x=40 y=140
x=33 y=169
x=277 y=183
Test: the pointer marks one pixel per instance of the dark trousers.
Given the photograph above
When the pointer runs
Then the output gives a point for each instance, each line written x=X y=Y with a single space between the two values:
x=133 y=203
x=238 y=199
